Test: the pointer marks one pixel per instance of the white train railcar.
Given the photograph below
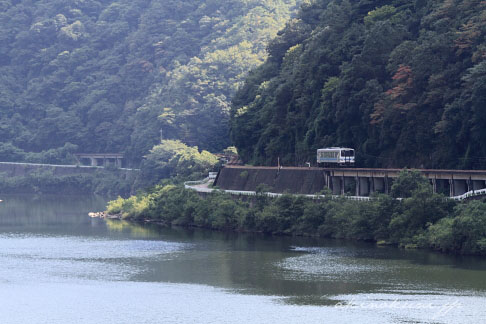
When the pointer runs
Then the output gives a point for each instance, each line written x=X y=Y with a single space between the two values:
x=335 y=156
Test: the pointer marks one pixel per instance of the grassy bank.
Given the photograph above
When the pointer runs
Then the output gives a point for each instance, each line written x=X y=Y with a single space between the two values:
x=421 y=220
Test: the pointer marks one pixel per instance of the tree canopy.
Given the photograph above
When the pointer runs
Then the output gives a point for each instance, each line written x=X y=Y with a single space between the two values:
x=172 y=159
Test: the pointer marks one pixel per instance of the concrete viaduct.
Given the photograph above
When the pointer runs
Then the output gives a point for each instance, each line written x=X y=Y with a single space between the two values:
x=100 y=159
x=368 y=181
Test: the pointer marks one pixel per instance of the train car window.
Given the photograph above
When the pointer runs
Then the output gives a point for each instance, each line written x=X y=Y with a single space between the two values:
x=335 y=154
x=329 y=154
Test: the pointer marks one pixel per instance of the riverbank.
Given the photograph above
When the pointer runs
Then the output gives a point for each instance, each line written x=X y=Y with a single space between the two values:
x=421 y=220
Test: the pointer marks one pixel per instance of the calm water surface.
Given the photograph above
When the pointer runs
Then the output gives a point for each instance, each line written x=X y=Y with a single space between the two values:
x=57 y=265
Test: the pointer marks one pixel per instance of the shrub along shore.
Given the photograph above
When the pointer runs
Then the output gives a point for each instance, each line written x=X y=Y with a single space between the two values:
x=422 y=219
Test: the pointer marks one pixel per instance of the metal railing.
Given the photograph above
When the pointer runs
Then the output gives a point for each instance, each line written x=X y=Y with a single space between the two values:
x=469 y=194
x=192 y=185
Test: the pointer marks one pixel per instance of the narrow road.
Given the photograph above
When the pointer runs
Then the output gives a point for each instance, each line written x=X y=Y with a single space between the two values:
x=203 y=186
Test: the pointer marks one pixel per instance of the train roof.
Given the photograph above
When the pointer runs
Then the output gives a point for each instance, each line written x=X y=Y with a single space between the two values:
x=335 y=148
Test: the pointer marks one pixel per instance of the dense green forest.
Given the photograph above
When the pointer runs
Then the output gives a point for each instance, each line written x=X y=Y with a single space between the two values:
x=116 y=75
x=401 y=81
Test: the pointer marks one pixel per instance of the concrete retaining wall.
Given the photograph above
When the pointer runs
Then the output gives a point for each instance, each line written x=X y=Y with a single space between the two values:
x=291 y=180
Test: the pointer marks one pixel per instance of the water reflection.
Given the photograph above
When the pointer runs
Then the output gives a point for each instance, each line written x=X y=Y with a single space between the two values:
x=49 y=213
x=308 y=271
x=131 y=229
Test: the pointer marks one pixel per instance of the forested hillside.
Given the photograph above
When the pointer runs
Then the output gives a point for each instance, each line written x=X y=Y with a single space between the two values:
x=403 y=82
x=109 y=75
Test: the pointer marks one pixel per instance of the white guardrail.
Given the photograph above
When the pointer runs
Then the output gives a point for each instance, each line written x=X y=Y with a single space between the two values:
x=469 y=194
x=196 y=186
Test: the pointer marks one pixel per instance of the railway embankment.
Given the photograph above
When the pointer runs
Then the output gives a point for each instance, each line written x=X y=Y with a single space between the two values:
x=292 y=180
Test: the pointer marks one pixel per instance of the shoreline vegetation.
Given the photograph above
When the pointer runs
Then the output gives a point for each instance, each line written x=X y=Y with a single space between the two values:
x=422 y=219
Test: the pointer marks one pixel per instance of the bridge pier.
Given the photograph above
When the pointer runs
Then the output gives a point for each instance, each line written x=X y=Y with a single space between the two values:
x=349 y=183
x=458 y=187
x=337 y=185
x=379 y=185
x=362 y=186
x=478 y=185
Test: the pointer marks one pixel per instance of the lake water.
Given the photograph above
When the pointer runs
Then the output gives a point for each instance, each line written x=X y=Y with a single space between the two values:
x=57 y=265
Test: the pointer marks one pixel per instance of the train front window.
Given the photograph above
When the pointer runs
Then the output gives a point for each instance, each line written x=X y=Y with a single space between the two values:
x=347 y=153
